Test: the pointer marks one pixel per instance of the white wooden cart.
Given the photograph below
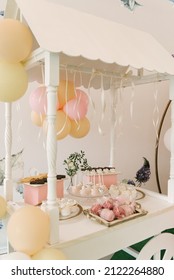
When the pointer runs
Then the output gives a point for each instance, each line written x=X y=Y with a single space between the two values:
x=68 y=38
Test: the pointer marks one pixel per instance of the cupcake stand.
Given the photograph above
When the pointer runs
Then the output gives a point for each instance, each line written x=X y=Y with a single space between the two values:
x=122 y=55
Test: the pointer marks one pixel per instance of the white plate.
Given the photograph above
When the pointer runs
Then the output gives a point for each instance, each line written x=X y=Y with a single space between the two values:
x=73 y=214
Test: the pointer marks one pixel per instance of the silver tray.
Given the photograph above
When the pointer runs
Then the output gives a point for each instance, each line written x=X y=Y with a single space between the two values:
x=138 y=213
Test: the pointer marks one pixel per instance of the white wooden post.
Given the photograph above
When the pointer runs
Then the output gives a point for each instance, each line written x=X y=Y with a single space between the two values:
x=51 y=82
x=113 y=128
x=8 y=182
x=171 y=178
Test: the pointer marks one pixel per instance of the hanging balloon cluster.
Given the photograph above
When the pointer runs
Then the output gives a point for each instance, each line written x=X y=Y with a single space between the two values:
x=15 y=46
x=72 y=107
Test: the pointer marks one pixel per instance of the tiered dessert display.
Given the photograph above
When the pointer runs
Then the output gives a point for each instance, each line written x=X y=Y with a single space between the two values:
x=88 y=190
x=95 y=182
x=110 y=200
x=101 y=175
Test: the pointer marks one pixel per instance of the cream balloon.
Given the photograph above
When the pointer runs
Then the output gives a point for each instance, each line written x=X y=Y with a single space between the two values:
x=66 y=92
x=3 y=207
x=63 y=125
x=80 y=128
x=16 y=40
x=13 y=81
x=28 y=229
x=49 y=254
x=37 y=119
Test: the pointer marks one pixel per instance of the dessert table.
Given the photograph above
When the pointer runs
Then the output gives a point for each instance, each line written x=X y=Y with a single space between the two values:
x=82 y=238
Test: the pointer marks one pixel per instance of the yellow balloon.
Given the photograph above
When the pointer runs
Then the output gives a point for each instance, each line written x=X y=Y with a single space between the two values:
x=66 y=91
x=3 y=207
x=16 y=40
x=37 y=119
x=80 y=128
x=49 y=254
x=28 y=229
x=63 y=125
x=13 y=81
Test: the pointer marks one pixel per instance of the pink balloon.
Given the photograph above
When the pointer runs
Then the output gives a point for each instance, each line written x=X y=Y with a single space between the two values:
x=38 y=100
x=76 y=109
x=81 y=95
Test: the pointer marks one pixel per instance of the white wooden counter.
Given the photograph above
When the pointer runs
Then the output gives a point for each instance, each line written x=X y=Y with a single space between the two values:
x=82 y=238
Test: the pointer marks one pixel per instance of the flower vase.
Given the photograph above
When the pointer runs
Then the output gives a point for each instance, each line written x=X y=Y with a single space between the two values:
x=70 y=182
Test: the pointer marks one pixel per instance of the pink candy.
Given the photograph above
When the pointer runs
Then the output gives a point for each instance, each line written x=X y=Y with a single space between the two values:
x=108 y=204
x=112 y=209
x=107 y=214
x=96 y=208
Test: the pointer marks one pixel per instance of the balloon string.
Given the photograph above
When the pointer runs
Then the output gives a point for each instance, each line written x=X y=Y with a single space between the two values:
x=132 y=99
x=66 y=85
x=76 y=104
x=89 y=93
x=118 y=110
x=66 y=100
x=103 y=107
x=132 y=102
x=42 y=117
x=19 y=126
x=155 y=119
x=39 y=135
x=74 y=79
